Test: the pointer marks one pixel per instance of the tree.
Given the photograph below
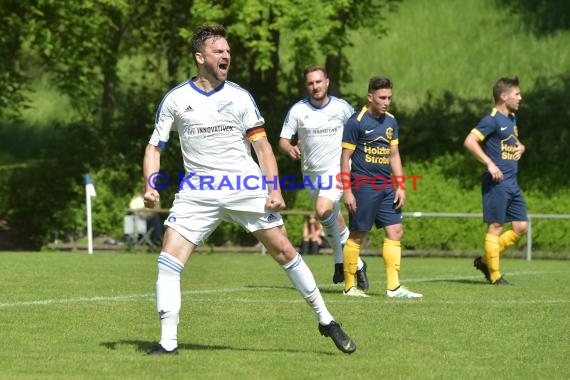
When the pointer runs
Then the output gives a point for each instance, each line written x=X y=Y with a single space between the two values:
x=115 y=60
x=13 y=80
x=318 y=32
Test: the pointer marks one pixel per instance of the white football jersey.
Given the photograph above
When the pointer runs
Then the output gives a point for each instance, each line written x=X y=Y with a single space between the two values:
x=212 y=130
x=319 y=131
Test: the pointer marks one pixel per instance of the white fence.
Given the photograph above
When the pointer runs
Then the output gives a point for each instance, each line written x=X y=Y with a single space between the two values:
x=419 y=214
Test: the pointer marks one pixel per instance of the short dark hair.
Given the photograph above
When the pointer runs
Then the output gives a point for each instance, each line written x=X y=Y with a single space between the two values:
x=203 y=33
x=313 y=68
x=503 y=85
x=376 y=83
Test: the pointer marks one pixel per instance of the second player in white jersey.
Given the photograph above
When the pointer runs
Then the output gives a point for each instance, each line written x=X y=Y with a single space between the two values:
x=318 y=121
x=319 y=129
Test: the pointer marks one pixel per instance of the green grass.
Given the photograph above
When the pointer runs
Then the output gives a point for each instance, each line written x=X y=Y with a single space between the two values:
x=456 y=46
x=79 y=316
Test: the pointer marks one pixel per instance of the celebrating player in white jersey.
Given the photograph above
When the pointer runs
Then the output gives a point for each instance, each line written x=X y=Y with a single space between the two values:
x=318 y=122
x=218 y=122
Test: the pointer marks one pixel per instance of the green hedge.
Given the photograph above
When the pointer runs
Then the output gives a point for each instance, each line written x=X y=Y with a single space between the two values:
x=440 y=192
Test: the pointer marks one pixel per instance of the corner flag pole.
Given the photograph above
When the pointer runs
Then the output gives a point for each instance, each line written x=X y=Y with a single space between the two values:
x=89 y=193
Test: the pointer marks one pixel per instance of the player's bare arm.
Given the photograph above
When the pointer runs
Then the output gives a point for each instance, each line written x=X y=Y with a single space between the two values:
x=398 y=172
x=349 y=199
x=151 y=164
x=268 y=165
x=289 y=149
x=473 y=145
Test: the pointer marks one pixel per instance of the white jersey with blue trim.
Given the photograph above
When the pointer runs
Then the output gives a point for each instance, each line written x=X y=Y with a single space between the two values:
x=319 y=130
x=212 y=130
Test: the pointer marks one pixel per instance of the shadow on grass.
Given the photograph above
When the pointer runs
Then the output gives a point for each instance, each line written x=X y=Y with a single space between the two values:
x=325 y=289
x=459 y=281
x=145 y=346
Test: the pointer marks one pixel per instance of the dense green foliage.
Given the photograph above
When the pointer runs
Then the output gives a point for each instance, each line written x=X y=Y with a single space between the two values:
x=85 y=316
x=81 y=81
x=443 y=188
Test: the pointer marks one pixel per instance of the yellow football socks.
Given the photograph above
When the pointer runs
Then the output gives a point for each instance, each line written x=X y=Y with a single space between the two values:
x=350 y=253
x=392 y=253
x=491 y=258
x=507 y=239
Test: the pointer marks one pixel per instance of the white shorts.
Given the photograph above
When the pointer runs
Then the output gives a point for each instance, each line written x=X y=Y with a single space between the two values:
x=196 y=217
x=325 y=185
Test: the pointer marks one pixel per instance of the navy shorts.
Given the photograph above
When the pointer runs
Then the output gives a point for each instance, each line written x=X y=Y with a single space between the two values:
x=502 y=201
x=374 y=207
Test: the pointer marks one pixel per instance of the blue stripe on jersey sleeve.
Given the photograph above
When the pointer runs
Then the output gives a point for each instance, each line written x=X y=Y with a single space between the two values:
x=161 y=144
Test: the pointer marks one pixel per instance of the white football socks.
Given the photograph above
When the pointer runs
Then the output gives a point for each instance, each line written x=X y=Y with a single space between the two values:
x=302 y=278
x=168 y=299
x=330 y=225
x=344 y=234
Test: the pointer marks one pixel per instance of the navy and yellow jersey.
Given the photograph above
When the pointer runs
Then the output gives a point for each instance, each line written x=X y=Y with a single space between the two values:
x=370 y=138
x=499 y=135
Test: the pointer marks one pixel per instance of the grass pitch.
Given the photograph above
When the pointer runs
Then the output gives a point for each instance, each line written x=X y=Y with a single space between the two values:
x=76 y=316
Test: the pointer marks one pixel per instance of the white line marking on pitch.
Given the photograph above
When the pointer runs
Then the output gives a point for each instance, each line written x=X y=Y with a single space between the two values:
x=130 y=297
x=115 y=298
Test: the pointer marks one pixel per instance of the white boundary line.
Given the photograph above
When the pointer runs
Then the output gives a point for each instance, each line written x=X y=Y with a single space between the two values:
x=149 y=296
x=113 y=299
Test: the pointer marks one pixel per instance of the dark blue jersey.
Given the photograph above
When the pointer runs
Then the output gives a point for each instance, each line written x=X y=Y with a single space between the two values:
x=499 y=135
x=370 y=138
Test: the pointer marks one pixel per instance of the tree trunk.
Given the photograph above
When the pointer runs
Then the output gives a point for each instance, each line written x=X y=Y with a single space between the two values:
x=110 y=79
x=333 y=66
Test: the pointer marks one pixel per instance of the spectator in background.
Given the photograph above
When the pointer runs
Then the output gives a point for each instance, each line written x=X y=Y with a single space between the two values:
x=313 y=240
x=153 y=220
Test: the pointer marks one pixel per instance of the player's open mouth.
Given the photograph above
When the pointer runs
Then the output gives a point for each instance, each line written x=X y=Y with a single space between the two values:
x=223 y=66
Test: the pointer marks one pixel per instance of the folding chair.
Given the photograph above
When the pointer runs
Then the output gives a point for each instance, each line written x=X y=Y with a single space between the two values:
x=136 y=231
